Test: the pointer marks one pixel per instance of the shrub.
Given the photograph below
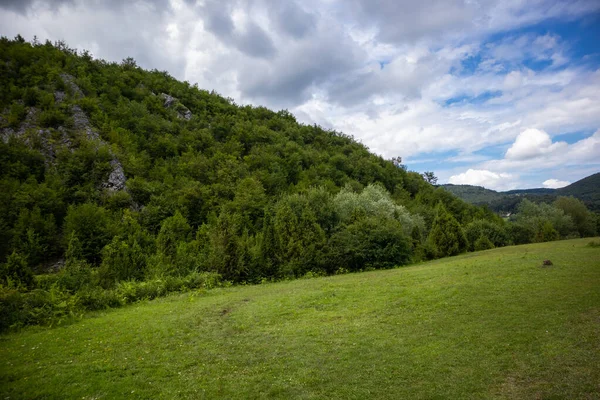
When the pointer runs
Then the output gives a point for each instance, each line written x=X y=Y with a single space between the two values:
x=483 y=243
x=368 y=243
x=52 y=118
x=16 y=272
x=495 y=234
x=121 y=260
x=520 y=233
x=92 y=226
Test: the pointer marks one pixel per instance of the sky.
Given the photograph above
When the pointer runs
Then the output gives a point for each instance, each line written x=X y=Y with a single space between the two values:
x=503 y=94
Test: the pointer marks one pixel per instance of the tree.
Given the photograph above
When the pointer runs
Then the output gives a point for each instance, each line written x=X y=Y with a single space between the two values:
x=446 y=234
x=540 y=215
x=582 y=218
x=173 y=230
x=430 y=177
x=495 y=233
x=93 y=228
x=369 y=242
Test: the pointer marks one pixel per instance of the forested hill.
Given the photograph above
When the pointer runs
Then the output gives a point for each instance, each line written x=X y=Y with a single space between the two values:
x=139 y=174
x=586 y=190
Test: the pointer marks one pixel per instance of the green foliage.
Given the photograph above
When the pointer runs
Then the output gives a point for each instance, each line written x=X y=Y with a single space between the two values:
x=446 y=235
x=75 y=276
x=368 y=243
x=545 y=218
x=121 y=260
x=240 y=191
x=546 y=233
x=582 y=218
x=494 y=233
x=15 y=273
x=483 y=243
x=300 y=237
x=173 y=230
x=520 y=233
x=93 y=228
x=16 y=115
x=52 y=118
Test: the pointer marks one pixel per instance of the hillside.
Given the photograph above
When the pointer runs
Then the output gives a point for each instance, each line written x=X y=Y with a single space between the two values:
x=130 y=175
x=493 y=324
x=586 y=190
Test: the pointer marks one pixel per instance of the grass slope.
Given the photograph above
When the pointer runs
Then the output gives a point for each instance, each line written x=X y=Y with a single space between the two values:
x=493 y=324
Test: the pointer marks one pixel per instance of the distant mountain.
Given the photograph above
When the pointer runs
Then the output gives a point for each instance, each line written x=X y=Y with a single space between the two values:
x=586 y=189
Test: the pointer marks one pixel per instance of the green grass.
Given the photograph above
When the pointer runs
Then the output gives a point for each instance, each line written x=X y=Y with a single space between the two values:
x=493 y=324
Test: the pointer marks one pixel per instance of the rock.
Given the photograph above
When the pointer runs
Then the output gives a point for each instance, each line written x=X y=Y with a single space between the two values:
x=59 y=97
x=82 y=123
x=70 y=81
x=172 y=102
x=116 y=179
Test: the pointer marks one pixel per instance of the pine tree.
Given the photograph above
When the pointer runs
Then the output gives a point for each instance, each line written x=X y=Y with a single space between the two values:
x=446 y=234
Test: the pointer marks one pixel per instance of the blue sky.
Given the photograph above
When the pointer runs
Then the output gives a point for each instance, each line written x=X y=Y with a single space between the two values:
x=499 y=93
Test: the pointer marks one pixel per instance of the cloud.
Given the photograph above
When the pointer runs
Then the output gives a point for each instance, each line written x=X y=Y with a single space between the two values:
x=532 y=143
x=244 y=34
x=555 y=183
x=485 y=178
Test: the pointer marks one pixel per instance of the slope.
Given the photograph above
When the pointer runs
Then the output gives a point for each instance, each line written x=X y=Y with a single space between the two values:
x=493 y=324
x=141 y=176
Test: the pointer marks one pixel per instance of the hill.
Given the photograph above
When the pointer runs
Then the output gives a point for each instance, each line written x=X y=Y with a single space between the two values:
x=493 y=324
x=586 y=190
x=128 y=174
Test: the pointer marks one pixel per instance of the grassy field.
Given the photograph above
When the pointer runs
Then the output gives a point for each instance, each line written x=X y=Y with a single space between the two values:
x=494 y=324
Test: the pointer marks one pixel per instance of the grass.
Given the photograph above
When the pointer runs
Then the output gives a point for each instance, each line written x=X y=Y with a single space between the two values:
x=493 y=324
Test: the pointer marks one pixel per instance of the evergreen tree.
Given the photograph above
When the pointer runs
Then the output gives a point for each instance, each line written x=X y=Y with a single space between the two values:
x=446 y=234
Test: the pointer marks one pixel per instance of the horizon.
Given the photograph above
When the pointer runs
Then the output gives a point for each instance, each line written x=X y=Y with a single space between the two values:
x=481 y=93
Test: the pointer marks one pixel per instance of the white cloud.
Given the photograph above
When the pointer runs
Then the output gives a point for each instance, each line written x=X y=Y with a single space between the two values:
x=485 y=178
x=555 y=183
x=532 y=143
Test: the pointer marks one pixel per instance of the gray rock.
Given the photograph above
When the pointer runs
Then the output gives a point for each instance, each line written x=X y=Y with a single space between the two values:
x=116 y=179
x=69 y=80
x=82 y=123
x=59 y=96
x=182 y=111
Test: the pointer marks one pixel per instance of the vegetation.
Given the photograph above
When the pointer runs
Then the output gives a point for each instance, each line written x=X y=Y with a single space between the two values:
x=493 y=324
x=112 y=176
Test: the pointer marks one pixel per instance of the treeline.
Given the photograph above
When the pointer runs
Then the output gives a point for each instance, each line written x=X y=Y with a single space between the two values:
x=110 y=194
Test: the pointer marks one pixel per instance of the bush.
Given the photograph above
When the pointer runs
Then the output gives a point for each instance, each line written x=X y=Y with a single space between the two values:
x=92 y=226
x=76 y=275
x=520 y=233
x=368 y=243
x=483 y=243
x=16 y=273
x=495 y=234
x=53 y=303
x=121 y=260
x=52 y=118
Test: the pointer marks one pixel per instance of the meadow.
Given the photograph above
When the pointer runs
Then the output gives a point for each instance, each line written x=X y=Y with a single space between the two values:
x=494 y=324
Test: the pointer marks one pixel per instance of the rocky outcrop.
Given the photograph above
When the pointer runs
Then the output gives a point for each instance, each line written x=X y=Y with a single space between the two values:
x=69 y=80
x=43 y=137
x=116 y=179
x=82 y=123
x=172 y=102
x=27 y=124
